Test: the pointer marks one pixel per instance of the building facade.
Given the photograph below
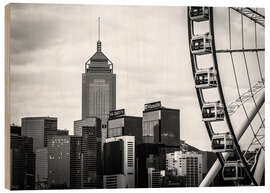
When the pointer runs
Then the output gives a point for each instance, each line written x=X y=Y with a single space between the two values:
x=155 y=177
x=187 y=164
x=98 y=88
x=87 y=122
x=121 y=125
x=22 y=164
x=91 y=152
x=42 y=168
x=161 y=125
x=39 y=128
x=119 y=162
x=59 y=161
x=76 y=162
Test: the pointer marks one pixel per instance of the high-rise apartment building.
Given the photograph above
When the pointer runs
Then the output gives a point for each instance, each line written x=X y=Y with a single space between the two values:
x=91 y=156
x=39 y=128
x=59 y=161
x=98 y=88
x=120 y=124
x=155 y=177
x=119 y=162
x=161 y=125
x=187 y=164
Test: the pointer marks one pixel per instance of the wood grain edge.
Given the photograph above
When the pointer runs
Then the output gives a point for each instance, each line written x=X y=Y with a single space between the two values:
x=7 y=97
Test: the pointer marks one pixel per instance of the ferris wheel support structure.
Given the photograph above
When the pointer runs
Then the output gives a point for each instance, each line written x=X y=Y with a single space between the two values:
x=210 y=79
x=217 y=166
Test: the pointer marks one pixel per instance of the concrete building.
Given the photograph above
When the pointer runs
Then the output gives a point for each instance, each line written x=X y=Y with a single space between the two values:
x=98 y=88
x=119 y=162
x=39 y=128
x=91 y=152
x=161 y=125
x=76 y=162
x=42 y=168
x=120 y=124
x=187 y=164
x=59 y=161
x=155 y=177
x=22 y=165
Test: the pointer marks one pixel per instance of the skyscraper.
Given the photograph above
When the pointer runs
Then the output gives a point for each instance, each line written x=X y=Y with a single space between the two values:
x=59 y=161
x=120 y=124
x=161 y=125
x=76 y=162
x=39 y=128
x=119 y=162
x=22 y=162
x=160 y=134
x=91 y=153
x=87 y=122
x=98 y=87
x=42 y=168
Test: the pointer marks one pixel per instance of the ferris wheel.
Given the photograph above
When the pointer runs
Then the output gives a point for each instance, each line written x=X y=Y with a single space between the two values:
x=228 y=71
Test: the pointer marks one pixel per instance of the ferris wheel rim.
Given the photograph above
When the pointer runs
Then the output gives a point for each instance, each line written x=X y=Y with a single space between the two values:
x=220 y=91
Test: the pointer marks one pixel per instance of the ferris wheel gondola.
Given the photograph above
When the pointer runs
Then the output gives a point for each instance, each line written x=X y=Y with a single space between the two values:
x=208 y=78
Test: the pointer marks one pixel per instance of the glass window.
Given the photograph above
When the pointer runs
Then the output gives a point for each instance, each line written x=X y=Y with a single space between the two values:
x=114 y=132
x=148 y=127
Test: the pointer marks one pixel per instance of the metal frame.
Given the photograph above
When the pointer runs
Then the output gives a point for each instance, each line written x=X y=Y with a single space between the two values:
x=201 y=100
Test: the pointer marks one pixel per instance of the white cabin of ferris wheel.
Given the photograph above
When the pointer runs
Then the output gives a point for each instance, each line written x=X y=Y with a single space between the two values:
x=222 y=142
x=206 y=78
x=201 y=44
x=213 y=111
x=199 y=14
x=233 y=170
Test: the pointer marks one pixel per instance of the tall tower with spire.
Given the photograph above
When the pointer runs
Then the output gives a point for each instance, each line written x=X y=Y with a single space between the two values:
x=98 y=86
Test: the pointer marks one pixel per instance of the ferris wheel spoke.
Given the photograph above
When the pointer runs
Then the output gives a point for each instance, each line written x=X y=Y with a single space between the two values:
x=209 y=78
x=241 y=50
x=251 y=14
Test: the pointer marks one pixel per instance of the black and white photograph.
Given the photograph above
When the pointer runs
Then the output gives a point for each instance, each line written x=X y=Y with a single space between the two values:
x=134 y=96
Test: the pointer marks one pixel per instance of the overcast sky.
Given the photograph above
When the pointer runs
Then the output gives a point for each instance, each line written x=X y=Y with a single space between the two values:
x=148 y=46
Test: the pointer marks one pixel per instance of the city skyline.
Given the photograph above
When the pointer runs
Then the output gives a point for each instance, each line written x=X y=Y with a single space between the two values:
x=148 y=50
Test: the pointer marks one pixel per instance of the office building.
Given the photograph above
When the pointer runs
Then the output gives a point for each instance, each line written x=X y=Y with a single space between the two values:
x=39 y=128
x=119 y=162
x=59 y=161
x=187 y=164
x=87 y=122
x=98 y=88
x=76 y=162
x=161 y=125
x=149 y=155
x=121 y=125
x=62 y=132
x=42 y=168
x=22 y=164
x=91 y=152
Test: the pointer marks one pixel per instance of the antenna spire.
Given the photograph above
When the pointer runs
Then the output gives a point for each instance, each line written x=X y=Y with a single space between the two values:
x=98 y=42
x=98 y=28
